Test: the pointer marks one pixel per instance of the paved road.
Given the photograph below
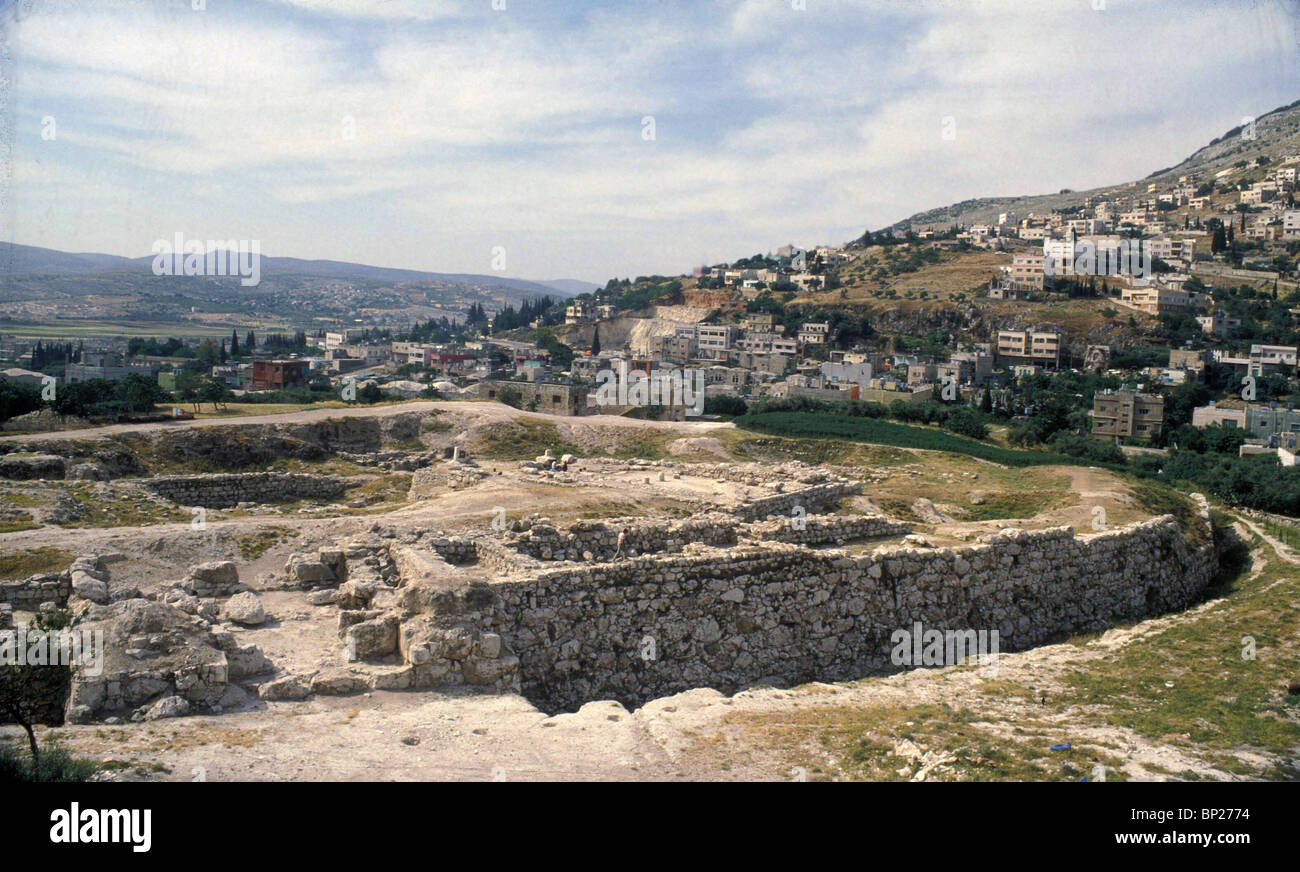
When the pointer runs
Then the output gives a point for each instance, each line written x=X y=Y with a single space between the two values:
x=485 y=412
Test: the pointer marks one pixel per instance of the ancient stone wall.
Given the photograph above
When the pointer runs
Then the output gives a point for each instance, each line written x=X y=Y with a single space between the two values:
x=728 y=618
x=598 y=540
x=813 y=498
x=223 y=490
x=826 y=529
x=27 y=594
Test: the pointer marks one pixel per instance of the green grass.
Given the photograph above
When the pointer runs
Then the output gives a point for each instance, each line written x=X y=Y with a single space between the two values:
x=1160 y=499
x=18 y=522
x=34 y=561
x=55 y=764
x=826 y=426
x=256 y=544
x=521 y=440
x=1219 y=701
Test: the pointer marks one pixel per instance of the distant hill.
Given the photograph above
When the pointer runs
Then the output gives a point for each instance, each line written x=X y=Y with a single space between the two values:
x=571 y=287
x=1276 y=133
x=27 y=261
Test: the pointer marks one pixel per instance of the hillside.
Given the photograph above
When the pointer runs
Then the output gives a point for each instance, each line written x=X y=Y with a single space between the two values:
x=1276 y=133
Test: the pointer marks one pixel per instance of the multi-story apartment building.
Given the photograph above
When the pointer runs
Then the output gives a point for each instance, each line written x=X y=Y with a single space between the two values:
x=1265 y=421
x=1126 y=413
x=1291 y=224
x=1026 y=272
x=1029 y=348
x=1217 y=323
x=1159 y=300
x=814 y=332
x=714 y=340
x=1269 y=359
x=676 y=348
x=274 y=375
x=339 y=338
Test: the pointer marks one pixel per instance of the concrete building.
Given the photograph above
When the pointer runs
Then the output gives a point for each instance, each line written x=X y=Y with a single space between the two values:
x=1029 y=348
x=1126 y=413
x=554 y=398
x=274 y=375
x=1217 y=324
x=1212 y=415
x=1269 y=359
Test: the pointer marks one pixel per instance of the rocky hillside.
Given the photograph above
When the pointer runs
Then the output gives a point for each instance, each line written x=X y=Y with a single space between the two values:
x=1276 y=133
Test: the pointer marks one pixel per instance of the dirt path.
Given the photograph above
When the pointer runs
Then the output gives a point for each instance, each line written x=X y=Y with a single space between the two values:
x=485 y=412
x=1278 y=547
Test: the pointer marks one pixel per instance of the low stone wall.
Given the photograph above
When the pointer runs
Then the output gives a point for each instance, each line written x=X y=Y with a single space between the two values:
x=728 y=618
x=598 y=540
x=223 y=490
x=31 y=466
x=455 y=549
x=827 y=529
x=813 y=498
x=28 y=594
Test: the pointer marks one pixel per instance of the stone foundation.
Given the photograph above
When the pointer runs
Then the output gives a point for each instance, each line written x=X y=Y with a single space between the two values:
x=220 y=491
x=727 y=618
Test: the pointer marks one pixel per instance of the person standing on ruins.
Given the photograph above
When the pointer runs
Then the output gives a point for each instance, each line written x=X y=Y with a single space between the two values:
x=622 y=537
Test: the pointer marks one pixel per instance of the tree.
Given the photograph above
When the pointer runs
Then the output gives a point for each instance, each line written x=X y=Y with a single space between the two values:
x=595 y=342
x=510 y=396
x=209 y=354
x=234 y=343
x=214 y=391
x=27 y=690
x=1219 y=241
x=17 y=399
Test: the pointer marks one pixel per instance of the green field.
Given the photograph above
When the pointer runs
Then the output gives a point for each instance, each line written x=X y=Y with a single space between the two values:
x=880 y=432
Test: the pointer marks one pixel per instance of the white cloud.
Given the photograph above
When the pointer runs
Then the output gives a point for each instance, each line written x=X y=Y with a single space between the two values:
x=338 y=134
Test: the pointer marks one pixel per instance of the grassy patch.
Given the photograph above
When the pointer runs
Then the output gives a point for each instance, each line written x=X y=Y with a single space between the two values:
x=34 y=561
x=876 y=430
x=523 y=439
x=89 y=509
x=1159 y=499
x=54 y=765
x=255 y=545
x=17 y=521
x=1216 y=681
x=1014 y=504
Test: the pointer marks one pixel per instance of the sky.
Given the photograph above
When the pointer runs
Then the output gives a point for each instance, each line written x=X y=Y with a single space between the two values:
x=551 y=139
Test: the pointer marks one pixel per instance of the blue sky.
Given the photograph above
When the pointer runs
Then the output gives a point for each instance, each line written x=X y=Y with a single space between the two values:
x=428 y=134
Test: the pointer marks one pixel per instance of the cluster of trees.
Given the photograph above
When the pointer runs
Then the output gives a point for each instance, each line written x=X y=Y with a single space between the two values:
x=283 y=342
x=561 y=354
x=433 y=330
x=152 y=347
x=1257 y=482
x=529 y=311
x=54 y=354
x=100 y=398
x=17 y=399
x=477 y=316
